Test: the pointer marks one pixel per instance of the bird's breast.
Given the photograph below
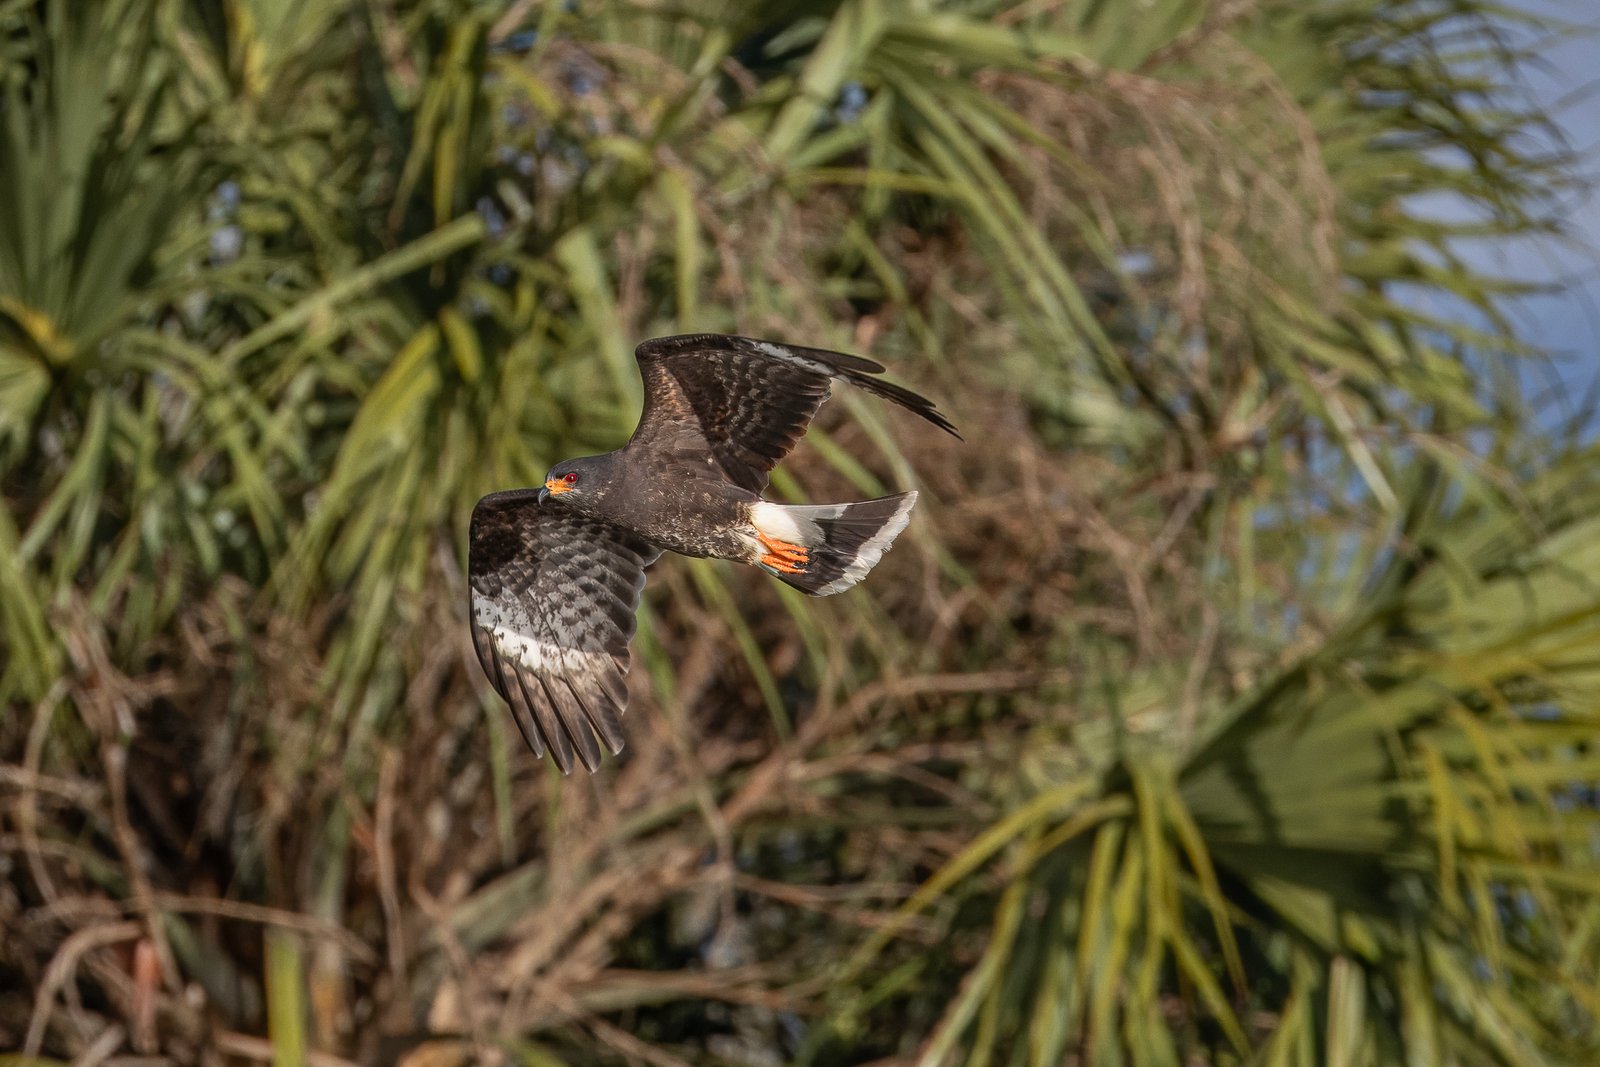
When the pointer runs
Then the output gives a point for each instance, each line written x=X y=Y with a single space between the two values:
x=689 y=513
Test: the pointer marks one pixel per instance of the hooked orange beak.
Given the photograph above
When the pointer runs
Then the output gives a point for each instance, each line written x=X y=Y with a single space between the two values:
x=556 y=487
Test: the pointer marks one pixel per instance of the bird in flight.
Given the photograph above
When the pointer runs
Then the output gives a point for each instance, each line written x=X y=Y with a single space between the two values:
x=555 y=572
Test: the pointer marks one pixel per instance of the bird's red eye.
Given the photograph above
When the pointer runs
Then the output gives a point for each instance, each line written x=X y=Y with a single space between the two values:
x=571 y=478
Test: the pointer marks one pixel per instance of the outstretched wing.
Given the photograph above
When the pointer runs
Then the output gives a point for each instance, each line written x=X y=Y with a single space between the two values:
x=553 y=600
x=748 y=400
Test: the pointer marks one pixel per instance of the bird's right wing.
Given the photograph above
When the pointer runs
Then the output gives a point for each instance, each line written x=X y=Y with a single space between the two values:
x=748 y=400
x=553 y=601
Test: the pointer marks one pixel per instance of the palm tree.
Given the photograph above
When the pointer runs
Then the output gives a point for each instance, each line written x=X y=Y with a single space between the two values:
x=1231 y=702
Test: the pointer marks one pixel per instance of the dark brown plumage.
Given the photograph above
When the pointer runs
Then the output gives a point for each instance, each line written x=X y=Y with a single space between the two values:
x=555 y=573
x=751 y=400
x=553 y=600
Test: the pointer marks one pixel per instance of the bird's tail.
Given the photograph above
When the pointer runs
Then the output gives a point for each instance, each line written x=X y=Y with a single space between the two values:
x=827 y=548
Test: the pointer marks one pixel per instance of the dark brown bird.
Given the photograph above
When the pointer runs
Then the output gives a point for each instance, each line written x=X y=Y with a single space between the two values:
x=556 y=572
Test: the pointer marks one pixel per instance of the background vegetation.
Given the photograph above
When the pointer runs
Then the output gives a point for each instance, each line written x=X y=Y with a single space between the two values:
x=1232 y=699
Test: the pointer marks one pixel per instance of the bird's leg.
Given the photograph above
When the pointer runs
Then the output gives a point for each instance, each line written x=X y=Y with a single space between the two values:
x=797 y=553
x=783 y=556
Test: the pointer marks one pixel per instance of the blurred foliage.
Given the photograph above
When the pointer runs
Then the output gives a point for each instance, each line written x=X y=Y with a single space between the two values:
x=1232 y=700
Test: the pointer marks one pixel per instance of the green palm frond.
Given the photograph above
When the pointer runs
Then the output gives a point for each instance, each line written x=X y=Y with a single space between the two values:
x=1382 y=855
x=1230 y=700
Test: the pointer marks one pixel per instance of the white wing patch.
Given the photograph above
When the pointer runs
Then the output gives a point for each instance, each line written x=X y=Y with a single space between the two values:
x=789 y=355
x=537 y=656
x=517 y=644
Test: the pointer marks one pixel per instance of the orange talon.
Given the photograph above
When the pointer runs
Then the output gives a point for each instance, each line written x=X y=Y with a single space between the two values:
x=783 y=550
x=780 y=564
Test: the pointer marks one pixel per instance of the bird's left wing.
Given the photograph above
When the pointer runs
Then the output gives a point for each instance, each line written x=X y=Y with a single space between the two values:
x=553 y=601
x=748 y=400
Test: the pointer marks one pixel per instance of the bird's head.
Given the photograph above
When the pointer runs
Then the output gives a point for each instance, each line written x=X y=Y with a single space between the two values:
x=577 y=483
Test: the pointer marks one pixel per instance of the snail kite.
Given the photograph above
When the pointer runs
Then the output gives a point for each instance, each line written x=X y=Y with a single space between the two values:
x=556 y=572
